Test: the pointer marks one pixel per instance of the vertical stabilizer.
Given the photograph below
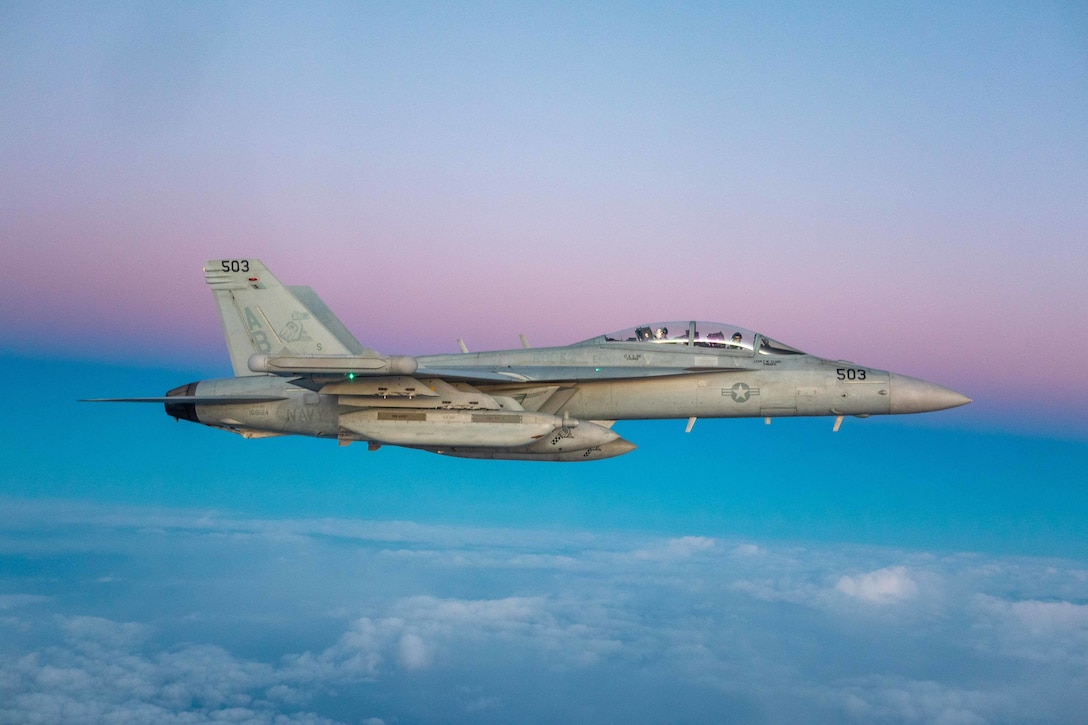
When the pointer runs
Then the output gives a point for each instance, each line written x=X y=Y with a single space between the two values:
x=260 y=315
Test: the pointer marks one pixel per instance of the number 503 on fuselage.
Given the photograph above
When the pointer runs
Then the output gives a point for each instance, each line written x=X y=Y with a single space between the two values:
x=298 y=371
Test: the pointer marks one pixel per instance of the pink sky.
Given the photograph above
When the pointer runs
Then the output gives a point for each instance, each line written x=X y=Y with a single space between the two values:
x=911 y=199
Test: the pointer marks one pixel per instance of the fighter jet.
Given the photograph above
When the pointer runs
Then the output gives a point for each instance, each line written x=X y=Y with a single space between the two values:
x=298 y=371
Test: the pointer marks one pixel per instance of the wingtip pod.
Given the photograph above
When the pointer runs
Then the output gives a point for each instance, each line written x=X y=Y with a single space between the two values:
x=333 y=364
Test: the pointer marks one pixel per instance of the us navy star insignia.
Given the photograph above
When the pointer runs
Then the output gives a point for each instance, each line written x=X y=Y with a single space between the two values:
x=740 y=392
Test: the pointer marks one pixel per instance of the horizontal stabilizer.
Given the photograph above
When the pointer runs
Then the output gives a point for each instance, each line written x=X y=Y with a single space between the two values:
x=194 y=399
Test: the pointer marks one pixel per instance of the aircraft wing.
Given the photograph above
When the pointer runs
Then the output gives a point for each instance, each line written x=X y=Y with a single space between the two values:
x=556 y=374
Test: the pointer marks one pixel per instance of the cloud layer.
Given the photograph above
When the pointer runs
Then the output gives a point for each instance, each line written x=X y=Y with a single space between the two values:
x=150 y=616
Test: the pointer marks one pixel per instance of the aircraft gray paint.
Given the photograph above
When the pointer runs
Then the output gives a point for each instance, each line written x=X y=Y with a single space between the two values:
x=298 y=371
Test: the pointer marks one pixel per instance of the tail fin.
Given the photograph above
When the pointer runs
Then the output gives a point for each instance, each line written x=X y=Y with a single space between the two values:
x=260 y=315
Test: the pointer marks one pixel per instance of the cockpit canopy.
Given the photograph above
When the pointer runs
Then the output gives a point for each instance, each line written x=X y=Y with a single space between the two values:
x=699 y=333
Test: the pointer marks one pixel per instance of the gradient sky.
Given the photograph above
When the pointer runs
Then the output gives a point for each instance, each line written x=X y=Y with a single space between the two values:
x=904 y=185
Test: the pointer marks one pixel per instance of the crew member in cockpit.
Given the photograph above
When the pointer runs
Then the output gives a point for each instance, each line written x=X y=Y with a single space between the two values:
x=661 y=333
x=736 y=340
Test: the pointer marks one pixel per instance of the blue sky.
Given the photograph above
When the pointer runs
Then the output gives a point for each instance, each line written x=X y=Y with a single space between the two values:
x=920 y=481
x=900 y=185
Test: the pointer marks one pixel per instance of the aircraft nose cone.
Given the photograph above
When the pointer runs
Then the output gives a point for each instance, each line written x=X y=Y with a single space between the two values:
x=911 y=395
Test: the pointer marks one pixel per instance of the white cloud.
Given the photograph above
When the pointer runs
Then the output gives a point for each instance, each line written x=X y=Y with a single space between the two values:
x=357 y=655
x=1046 y=618
x=413 y=653
x=1049 y=632
x=506 y=613
x=99 y=632
x=304 y=620
x=883 y=586
x=747 y=550
x=102 y=673
x=876 y=699
x=13 y=601
x=679 y=548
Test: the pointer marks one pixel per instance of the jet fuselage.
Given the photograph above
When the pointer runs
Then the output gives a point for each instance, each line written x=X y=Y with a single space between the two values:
x=298 y=371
